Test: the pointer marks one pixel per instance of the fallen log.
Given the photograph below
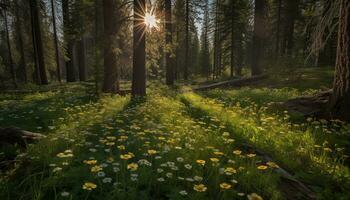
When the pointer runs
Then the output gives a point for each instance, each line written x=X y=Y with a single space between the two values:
x=15 y=136
x=292 y=188
x=232 y=83
x=308 y=105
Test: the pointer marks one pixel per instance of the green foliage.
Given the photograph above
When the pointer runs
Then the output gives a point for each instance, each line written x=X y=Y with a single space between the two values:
x=161 y=146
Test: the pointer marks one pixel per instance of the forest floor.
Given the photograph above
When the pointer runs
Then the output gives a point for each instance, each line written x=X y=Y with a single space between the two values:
x=176 y=145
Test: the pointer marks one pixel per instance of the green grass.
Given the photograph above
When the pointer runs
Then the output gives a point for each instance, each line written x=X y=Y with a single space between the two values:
x=166 y=145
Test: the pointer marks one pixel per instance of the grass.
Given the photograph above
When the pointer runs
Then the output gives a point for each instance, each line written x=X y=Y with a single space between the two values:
x=171 y=145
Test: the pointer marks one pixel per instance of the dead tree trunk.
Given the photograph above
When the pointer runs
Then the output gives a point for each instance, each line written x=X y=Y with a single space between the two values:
x=340 y=100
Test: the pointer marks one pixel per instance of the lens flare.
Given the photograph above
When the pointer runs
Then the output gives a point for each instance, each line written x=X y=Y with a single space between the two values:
x=150 y=20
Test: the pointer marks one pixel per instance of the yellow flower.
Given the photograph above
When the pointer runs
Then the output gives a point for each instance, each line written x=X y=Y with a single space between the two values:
x=90 y=162
x=237 y=152
x=262 y=167
x=251 y=155
x=225 y=186
x=96 y=168
x=218 y=153
x=89 y=186
x=132 y=166
x=254 y=196
x=127 y=156
x=200 y=188
x=151 y=152
x=110 y=143
x=112 y=138
x=121 y=147
x=230 y=171
x=201 y=162
x=215 y=160
x=272 y=164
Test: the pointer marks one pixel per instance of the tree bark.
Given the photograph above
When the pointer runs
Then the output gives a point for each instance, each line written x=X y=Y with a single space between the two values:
x=340 y=100
x=57 y=56
x=169 y=41
x=69 y=40
x=81 y=59
x=232 y=39
x=38 y=42
x=139 y=46
x=12 y=66
x=23 y=62
x=258 y=35
x=277 y=48
x=187 y=42
x=291 y=14
x=110 y=83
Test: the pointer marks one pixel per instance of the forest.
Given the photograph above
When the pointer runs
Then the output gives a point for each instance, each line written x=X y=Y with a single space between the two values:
x=175 y=99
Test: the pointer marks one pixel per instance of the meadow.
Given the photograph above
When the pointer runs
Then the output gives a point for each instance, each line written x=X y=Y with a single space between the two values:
x=172 y=145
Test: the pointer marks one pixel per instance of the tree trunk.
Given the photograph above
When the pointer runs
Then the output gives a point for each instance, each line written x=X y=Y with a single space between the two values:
x=57 y=56
x=23 y=62
x=69 y=40
x=110 y=83
x=277 y=48
x=81 y=59
x=12 y=66
x=340 y=100
x=38 y=42
x=168 y=41
x=258 y=35
x=232 y=39
x=239 y=55
x=291 y=14
x=187 y=42
x=139 y=45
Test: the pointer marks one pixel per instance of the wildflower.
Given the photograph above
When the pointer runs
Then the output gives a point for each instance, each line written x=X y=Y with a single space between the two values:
x=230 y=171
x=65 y=194
x=214 y=160
x=116 y=169
x=96 y=168
x=151 y=152
x=57 y=169
x=179 y=159
x=183 y=192
x=101 y=174
x=225 y=186
x=326 y=149
x=262 y=167
x=160 y=170
x=144 y=162
x=200 y=188
x=254 y=196
x=251 y=155
x=126 y=156
x=218 y=153
x=201 y=162
x=198 y=178
x=89 y=186
x=272 y=164
x=237 y=152
x=132 y=166
x=161 y=179
x=121 y=147
x=107 y=180
x=90 y=162
x=92 y=150
x=169 y=175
